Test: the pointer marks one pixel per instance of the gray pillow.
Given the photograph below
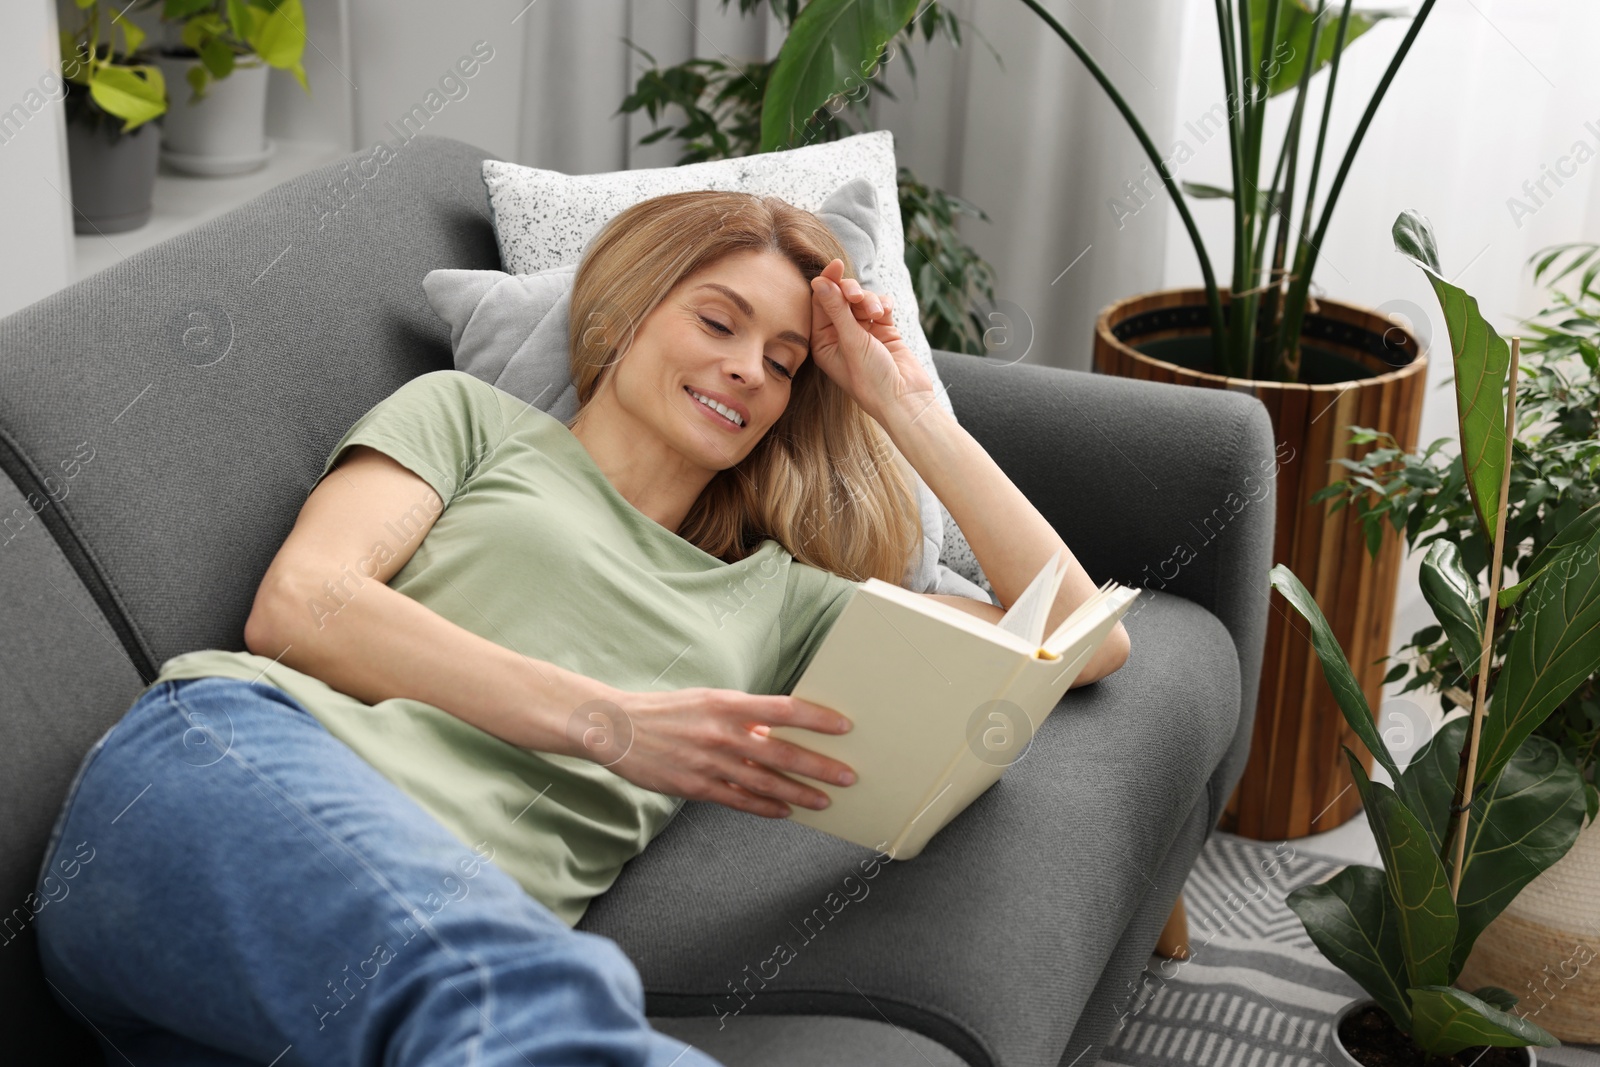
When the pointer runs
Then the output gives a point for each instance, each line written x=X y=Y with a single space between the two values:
x=511 y=330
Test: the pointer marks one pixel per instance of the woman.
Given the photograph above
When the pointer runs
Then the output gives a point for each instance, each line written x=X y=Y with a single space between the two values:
x=495 y=653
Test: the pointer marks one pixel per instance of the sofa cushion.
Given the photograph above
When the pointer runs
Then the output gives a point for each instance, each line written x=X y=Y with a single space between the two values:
x=991 y=941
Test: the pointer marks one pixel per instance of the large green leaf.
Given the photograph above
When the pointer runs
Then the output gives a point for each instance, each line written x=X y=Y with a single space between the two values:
x=1522 y=824
x=833 y=47
x=134 y=94
x=1350 y=920
x=1564 y=550
x=1418 y=887
x=1335 y=667
x=1446 y=1020
x=1295 y=20
x=1482 y=363
x=1496 y=997
x=1453 y=595
x=1555 y=650
x=1430 y=778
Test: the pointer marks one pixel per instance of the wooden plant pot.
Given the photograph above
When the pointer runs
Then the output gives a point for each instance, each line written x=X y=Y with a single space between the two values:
x=1359 y=368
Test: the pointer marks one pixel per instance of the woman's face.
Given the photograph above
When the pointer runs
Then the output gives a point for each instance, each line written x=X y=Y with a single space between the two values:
x=735 y=332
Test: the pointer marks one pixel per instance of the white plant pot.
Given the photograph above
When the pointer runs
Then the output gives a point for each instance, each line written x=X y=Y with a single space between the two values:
x=222 y=133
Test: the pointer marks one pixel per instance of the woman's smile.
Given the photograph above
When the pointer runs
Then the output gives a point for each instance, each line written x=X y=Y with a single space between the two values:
x=719 y=409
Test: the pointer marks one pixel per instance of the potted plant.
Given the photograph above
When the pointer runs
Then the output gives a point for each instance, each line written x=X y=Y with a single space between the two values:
x=1487 y=803
x=224 y=52
x=111 y=97
x=1316 y=365
x=1537 y=946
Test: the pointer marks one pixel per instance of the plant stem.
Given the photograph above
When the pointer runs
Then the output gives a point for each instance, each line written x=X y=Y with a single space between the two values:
x=1213 y=297
x=1258 y=88
x=1288 y=357
x=1277 y=176
x=1274 y=367
x=1236 y=107
x=1305 y=261
x=1268 y=43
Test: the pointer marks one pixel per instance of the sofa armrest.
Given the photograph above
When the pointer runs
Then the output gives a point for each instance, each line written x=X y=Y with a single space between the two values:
x=1161 y=486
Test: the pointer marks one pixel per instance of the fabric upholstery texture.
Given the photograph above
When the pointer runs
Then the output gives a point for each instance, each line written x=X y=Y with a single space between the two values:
x=212 y=374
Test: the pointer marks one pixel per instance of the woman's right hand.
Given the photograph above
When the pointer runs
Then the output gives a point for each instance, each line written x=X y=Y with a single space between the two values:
x=704 y=743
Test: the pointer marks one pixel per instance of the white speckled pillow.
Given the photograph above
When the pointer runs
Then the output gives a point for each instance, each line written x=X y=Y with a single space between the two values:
x=545 y=219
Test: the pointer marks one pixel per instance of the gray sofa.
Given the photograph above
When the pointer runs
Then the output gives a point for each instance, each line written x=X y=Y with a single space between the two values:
x=162 y=422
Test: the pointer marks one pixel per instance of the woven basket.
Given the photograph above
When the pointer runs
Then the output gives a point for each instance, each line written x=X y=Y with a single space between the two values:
x=1545 y=947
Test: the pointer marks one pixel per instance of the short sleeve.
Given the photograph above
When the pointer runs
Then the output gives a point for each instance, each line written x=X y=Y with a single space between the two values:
x=440 y=426
x=812 y=602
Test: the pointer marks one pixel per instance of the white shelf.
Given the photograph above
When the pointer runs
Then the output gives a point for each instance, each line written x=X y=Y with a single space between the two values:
x=183 y=201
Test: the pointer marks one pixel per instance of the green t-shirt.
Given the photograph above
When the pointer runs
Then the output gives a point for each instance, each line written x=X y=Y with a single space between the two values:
x=537 y=551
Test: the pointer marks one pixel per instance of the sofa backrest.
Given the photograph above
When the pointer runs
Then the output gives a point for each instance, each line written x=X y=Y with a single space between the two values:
x=160 y=426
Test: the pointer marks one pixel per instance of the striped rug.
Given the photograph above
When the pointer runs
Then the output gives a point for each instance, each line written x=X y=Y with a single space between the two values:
x=1254 y=991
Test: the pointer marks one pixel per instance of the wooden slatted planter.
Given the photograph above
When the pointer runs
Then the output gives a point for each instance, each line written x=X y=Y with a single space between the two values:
x=1358 y=368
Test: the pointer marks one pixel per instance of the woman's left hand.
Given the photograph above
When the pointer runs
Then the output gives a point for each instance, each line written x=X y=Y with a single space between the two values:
x=856 y=343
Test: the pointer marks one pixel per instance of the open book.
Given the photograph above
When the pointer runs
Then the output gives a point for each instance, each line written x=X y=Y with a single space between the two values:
x=942 y=702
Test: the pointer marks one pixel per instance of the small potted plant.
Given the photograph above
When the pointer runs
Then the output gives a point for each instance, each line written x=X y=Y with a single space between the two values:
x=111 y=97
x=1537 y=945
x=1486 y=804
x=224 y=52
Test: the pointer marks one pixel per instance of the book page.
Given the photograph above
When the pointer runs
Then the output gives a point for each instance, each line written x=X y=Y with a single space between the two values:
x=1026 y=617
x=1111 y=600
x=910 y=681
x=1016 y=713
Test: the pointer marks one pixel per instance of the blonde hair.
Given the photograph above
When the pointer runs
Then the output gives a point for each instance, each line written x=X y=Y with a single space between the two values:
x=824 y=481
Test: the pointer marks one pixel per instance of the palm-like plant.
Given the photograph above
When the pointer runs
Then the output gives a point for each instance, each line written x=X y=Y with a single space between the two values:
x=1269 y=47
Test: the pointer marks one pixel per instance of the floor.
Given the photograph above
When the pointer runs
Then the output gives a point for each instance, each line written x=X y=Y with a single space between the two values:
x=1351 y=843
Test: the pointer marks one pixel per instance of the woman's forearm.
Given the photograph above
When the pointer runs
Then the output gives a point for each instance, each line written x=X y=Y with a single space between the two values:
x=1009 y=537
x=382 y=644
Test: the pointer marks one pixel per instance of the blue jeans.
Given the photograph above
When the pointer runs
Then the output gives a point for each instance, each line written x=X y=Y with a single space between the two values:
x=228 y=883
